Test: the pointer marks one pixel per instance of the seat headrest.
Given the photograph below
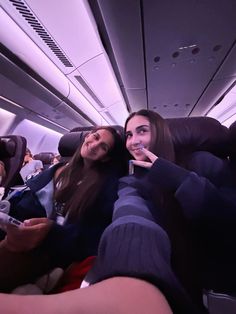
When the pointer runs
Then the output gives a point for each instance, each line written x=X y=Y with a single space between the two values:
x=70 y=142
x=232 y=133
x=45 y=157
x=199 y=134
x=7 y=147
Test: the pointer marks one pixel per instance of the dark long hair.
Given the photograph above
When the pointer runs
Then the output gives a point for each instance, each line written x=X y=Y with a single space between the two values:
x=161 y=139
x=78 y=188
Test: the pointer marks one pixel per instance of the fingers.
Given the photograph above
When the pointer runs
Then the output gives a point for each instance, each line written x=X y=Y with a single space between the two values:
x=35 y=221
x=152 y=157
x=144 y=164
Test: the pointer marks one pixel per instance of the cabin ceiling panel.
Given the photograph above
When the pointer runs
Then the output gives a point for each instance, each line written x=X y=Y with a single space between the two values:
x=185 y=43
x=137 y=98
x=211 y=96
x=228 y=68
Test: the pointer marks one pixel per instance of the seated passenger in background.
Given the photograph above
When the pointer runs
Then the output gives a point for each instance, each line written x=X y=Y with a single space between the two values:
x=2 y=172
x=204 y=217
x=31 y=167
x=76 y=200
x=56 y=159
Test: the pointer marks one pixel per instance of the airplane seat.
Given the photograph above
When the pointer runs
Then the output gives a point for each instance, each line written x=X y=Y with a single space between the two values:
x=82 y=129
x=190 y=136
x=69 y=142
x=193 y=134
x=219 y=303
x=12 y=152
x=232 y=132
x=119 y=129
x=46 y=158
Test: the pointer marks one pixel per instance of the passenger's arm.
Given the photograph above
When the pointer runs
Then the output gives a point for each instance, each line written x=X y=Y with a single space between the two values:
x=135 y=246
x=199 y=198
x=112 y=296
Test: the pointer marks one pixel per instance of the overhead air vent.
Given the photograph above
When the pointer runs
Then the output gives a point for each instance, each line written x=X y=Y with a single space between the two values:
x=31 y=19
x=88 y=89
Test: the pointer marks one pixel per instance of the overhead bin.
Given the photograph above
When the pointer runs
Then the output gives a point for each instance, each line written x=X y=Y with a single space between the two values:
x=16 y=40
x=61 y=42
x=21 y=89
x=219 y=90
x=98 y=84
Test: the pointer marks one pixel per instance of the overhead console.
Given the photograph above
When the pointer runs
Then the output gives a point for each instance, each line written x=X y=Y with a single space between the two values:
x=60 y=42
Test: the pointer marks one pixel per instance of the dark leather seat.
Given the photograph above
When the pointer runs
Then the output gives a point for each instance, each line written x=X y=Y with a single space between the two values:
x=12 y=152
x=198 y=134
x=191 y=135
x=71 y=141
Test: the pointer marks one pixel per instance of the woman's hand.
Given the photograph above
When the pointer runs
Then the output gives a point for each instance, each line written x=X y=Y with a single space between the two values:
x=146 y=164
x=27 y=236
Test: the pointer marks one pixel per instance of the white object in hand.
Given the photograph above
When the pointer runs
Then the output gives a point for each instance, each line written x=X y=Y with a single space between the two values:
x=5 y=220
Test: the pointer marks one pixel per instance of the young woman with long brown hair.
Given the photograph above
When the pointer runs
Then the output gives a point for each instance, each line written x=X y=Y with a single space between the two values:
x=66 y=210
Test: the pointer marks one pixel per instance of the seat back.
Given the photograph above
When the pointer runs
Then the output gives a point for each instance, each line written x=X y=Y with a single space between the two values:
x=12 y=152
x=191 y=135
x=232 y=133
x=69 y=143
x=46 y=158
x=194 y=134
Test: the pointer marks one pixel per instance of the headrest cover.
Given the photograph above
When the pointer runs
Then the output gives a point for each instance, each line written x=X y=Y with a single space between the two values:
x=7 y=147
x=70 y=142
x=199 y=134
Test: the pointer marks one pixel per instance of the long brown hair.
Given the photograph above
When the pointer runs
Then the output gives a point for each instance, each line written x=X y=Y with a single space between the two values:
x=78 y=188
x=161 y=139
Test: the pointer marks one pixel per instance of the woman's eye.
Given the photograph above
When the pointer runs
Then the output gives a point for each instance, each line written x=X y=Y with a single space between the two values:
x=105 y=148
x=142 y=131
x=128 y=135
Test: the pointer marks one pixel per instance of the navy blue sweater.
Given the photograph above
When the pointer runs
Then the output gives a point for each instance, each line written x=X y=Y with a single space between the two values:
x=135 y=246
x=72 y=241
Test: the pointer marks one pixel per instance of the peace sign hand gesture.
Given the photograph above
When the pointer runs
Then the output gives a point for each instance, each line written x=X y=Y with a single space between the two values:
x=146 y=164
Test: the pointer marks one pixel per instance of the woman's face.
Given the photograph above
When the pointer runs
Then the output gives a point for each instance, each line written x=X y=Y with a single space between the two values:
x=138 y=135
x=27 y=157
x=97 y=145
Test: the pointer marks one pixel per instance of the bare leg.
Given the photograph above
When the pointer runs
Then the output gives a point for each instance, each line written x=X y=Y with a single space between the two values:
x=120 y=295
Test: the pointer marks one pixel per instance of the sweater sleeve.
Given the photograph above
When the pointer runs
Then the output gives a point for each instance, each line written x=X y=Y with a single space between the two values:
x=199 y=197
x=135 y=246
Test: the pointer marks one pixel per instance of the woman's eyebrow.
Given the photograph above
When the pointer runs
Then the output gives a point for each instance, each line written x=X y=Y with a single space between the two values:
x=127 y=133
x=141 y=126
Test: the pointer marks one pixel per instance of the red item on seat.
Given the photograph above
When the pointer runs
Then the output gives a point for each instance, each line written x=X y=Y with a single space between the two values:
x=75 y=274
